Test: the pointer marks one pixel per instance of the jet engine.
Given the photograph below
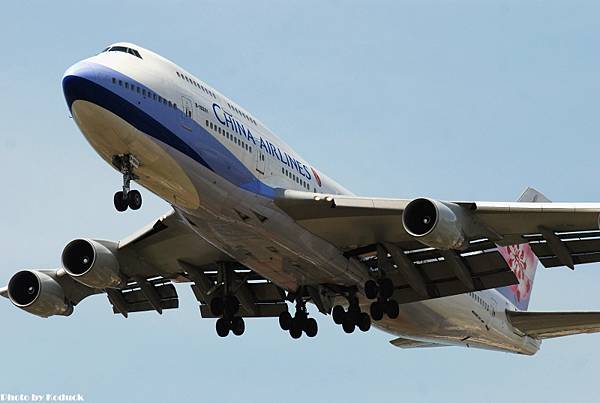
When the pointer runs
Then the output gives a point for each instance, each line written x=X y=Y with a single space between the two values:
x=91 y=263
x=437 y=224
x=38 y=293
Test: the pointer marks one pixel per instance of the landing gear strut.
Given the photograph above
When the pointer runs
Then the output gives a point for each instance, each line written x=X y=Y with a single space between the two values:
x=300 y=322
x=382 y=290
x=126 y=163
x=353 y=317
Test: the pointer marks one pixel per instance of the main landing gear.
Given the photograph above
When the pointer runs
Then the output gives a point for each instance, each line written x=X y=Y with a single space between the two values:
x=382 y=290
x=353 y=317
x=300 y=322
x=126 y=163
x=227 y=308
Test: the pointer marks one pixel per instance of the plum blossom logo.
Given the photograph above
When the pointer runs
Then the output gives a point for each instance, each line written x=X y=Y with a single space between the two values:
x=522 y=261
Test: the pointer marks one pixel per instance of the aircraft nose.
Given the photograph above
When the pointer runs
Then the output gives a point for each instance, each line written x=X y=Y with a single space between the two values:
x=76 y=81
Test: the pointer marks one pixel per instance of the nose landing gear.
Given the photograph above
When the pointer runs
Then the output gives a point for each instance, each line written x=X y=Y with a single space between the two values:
x=127 y=198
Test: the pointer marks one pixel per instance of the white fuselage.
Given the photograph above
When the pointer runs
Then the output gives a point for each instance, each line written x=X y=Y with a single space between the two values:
x=221 y=169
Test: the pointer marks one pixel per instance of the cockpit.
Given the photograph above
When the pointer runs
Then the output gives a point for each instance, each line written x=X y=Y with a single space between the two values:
x=123 y=49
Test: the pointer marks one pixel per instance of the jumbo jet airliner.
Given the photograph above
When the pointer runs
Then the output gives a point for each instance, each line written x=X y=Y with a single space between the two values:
x=258 y=231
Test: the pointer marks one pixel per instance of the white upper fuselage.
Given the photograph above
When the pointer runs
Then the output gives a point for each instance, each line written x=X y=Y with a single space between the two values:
x=221 y=168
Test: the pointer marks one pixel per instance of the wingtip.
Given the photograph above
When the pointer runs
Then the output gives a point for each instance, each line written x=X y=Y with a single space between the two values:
x=4 y=292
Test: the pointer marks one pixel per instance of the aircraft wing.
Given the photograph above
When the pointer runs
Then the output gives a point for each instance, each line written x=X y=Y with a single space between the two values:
x=560 y=234
x=545 y=325
x=168 y=251
x=171 y=251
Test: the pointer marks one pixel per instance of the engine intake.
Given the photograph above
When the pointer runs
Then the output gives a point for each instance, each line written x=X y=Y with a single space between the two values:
x=440 y=225
x=38 y=293
x=91 y=263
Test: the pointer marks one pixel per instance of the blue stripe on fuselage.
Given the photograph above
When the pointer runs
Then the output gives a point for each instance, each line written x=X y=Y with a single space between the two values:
x=160 y=122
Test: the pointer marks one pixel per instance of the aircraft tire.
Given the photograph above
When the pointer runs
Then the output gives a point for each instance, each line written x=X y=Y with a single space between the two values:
x=134 y=200
x=120 y=202
x=222 y=326
x=364 y=322
x=392 y=309
x=376 y=310
x=238 y=326
x=311 y=328
x=371 y=289
x=285 y=320
x=348 y=325
x=338 y=314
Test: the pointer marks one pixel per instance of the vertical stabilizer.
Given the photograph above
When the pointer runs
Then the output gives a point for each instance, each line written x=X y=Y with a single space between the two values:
x=522 y=261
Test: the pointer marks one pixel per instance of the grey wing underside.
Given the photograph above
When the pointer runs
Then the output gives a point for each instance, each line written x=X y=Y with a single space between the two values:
x=172 y=252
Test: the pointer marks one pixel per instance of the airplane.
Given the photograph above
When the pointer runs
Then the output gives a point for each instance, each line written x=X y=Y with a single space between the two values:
x=258 y=231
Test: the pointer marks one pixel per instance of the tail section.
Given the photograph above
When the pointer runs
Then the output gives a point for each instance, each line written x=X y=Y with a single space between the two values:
x=522 y=261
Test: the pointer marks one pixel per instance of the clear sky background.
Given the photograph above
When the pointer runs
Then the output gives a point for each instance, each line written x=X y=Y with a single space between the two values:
x=451 y=99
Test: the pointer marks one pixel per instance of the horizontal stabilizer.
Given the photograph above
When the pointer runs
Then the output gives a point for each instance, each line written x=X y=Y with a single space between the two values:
x=408 y=343
x=4 y=292
x=545 y=325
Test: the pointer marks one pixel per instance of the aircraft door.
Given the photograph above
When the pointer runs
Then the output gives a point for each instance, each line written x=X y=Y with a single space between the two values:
x=260 y=161
x=186 y=109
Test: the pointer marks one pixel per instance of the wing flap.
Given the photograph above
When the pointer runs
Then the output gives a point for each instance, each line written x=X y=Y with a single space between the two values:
x=582 y=246
x=160 y=294
x=545 y=325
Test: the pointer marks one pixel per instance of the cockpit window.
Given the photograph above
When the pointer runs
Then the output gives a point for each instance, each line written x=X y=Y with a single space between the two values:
x=123 y=49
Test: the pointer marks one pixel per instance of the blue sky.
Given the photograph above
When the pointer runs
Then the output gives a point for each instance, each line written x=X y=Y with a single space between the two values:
x=451 y=99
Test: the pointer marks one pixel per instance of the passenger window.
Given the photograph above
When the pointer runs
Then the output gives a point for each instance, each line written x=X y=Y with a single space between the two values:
x=121 y=83
x=126 y=84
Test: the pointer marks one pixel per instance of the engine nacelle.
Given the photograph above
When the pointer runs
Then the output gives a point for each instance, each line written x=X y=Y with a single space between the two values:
x=38 y=293
x=91 y=263
x=440 y=225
